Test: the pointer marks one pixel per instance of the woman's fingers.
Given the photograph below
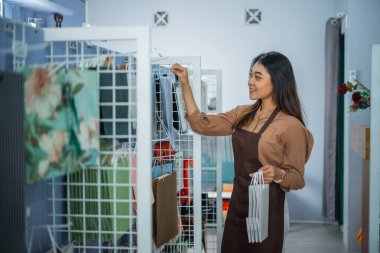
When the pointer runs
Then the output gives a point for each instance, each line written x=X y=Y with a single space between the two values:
x=268 y=173
x=177 y=66
x=181 y=72
x=178 y=69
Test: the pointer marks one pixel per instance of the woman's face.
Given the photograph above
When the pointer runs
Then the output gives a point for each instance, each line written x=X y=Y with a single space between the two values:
x=259 y=83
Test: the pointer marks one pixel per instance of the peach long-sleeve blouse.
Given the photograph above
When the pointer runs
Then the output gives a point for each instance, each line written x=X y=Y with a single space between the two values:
x=286 y=143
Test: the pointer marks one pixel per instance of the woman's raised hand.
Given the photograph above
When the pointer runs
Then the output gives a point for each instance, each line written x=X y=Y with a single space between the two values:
x=182 y=73
x=183 y=78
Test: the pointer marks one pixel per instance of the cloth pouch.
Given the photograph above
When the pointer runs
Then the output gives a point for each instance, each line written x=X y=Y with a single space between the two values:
x=165 y=212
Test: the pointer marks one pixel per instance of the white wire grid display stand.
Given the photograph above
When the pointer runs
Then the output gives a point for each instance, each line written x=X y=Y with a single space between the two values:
x=211 y=163
x=126 y=107
x=187 y=146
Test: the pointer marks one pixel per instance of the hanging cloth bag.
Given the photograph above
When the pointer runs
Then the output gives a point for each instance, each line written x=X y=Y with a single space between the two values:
x=165 y=212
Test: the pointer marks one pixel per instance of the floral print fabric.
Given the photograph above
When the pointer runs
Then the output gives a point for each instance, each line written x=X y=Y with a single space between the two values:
x=61 y=122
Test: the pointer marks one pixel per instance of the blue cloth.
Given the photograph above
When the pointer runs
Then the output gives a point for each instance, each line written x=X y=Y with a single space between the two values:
x=167 y=105
x=158 y=169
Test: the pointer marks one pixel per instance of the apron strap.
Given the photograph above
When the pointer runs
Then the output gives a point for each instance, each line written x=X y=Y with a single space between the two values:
x=271 y=117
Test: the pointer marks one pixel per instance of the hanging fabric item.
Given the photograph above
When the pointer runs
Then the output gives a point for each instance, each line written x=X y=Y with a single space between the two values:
x=179 y=108
x=114 y=202
x=160 y=127
x=166 y=100
x=186 y=191
x=79 y=207
x=165 y=212
x=176 y=118
x=12 y=173
x=61 y=122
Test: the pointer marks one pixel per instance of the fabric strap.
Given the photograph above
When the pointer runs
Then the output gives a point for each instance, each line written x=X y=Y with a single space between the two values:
x=271 y=117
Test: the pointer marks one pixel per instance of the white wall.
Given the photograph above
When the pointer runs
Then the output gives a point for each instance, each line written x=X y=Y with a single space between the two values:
x=215 y=30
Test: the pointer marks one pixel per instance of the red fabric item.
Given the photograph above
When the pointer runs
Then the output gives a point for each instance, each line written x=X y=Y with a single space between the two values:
x=226 y=204
x=185 y=191
x=163 y=151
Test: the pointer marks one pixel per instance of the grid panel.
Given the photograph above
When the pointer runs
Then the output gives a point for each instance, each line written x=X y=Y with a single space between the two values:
x=97 y=203
x=173 y=146
x=209 y=163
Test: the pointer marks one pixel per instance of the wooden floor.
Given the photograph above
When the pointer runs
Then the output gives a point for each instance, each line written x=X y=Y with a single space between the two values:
x=314 y=238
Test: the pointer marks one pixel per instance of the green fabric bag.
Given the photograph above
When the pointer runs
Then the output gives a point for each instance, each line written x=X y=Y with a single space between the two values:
x=115 y=194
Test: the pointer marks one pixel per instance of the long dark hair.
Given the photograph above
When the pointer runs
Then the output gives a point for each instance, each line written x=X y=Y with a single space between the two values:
x=284 y=86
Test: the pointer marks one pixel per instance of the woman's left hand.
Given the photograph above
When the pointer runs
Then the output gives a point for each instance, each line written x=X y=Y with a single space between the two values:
x=269 y=172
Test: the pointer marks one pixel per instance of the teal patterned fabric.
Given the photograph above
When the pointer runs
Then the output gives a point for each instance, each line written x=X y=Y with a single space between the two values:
x=61 y=121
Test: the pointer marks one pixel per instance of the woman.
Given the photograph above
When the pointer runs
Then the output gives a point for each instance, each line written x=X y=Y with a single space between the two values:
x=268 y=136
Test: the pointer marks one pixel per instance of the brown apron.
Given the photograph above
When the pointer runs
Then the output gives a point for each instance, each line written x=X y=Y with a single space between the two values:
x=235 y=238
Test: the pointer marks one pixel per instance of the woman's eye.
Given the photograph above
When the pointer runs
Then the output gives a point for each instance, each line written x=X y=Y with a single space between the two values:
x=258 y=78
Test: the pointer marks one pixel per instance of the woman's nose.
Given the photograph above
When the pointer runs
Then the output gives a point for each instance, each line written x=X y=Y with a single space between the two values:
x=251 y=81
